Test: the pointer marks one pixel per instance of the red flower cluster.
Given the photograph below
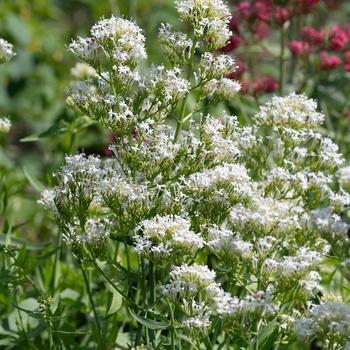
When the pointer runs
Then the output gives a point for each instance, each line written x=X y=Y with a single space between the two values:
x=323 y=42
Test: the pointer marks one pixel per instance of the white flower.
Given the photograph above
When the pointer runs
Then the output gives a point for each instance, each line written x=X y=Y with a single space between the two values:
x=344 y=177
x=296 y=111
x=187 y=279
x=328 y=321
x=163 y=235
x=126 y=37
x=94 y=233
x=226 y=244
x=192 y=10
x=47 y=200
x=168 y=84
x=176 y=44
x=6 y=51
x=216 y=66
x=5 y=125
x=84 y=48
x=233 y=174
x=223 y=88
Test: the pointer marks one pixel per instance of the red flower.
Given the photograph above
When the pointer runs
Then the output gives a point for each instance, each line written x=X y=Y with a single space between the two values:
x=262 y=10
x=347 y=61
x=232 y=44
x=328 y=62
x=264 y=85
x=234 y=24
x=305 y=6
x=282 y=15
x=243 y=9
x=299 y=48
x=338 y=38
x=312 y=36
x=261 y=29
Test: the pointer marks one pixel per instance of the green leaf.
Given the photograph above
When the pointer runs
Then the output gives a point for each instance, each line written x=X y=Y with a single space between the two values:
x=116 y=302
x=265 y=337
x=33 y=181
x=151 y=324
x=18 y=242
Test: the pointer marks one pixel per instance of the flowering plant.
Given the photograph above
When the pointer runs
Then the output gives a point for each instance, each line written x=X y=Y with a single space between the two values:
x=200 y=233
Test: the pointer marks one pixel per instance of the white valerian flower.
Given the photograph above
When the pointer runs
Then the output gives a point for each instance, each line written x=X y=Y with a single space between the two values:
x=84 y=48
x=6 y=51
x=233 y=174
x=222 y=89
x=328 y=321
x=221 y=145
x=209 y=19
x=83 y=71
x=227 y=244
x=266 y=216
x=189 y=280
x=192 y=10
x=94 y=232
x=5 y=125
x=296 y=111
x=216 y=66
x=47 y=200
x=168 y=85
x=124 y=36
x=329 y=155
x=80 y=168
x=344 y=177
x=177 y=45
x=328 y=224
x=164 y=235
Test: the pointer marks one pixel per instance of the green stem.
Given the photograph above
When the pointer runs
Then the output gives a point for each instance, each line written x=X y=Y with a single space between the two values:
x=55 y=264
x=172 y=329
x=87 y=284
x=189 y=73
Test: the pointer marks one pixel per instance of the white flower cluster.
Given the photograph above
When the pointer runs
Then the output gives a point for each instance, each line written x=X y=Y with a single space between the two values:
x=176 y=45
x=120 y=39
x=5 y=125
x=233 y=174
x=222 y=89
x=83 y=71
x=6 y=51
x=344 y=177
x=209 y=19
x=228 y=245
x=94 y=233
x=165 y=235
x=168 y=85
x=296 y=111
x=328 y=321
x=266 y=216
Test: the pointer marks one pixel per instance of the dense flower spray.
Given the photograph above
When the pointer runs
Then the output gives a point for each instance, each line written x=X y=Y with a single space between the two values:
x=220 y=229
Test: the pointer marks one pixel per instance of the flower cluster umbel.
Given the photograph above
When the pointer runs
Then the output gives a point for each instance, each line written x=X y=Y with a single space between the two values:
x=229 y=223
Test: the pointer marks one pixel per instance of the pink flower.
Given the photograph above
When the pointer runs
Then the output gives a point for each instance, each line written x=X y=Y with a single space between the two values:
x=262 y=10
x=265 y=84
x=261 y=29
x=243 y=9
x=312 y=36
x=305 y=6
x=347 y=61
x=282 y=15
x=338 y=38
x=327 y=61
x=299 y=48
